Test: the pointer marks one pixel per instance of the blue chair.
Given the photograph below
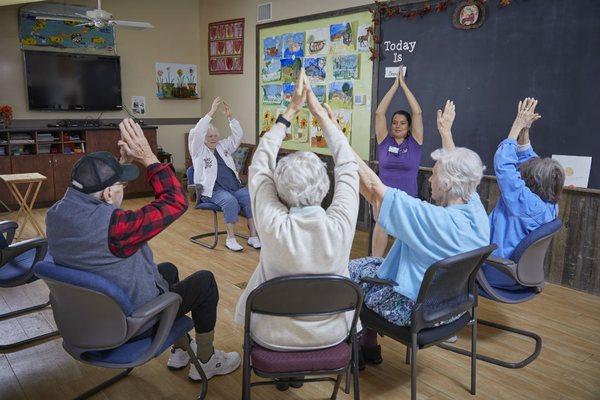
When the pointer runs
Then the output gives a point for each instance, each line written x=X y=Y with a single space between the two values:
x=16 y=269
x=100 y=327
x=526 y=268
x=195 y=191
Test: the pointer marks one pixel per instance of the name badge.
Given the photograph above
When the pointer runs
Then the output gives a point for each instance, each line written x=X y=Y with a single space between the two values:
x=393 y=149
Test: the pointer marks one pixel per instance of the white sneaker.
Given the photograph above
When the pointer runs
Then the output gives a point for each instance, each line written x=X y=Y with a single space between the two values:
x=233 y=245
x=180 y=358
x=220 y=363
x=453 y=339
x=254 y=241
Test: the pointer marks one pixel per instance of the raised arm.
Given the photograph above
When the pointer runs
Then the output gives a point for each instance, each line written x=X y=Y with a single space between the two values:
x=198 y=133
x=415 y=109
x=381 y=128
x=233 y=141
x=344 y=205
x=266 y=206
x=445 y=119
x=371 y=187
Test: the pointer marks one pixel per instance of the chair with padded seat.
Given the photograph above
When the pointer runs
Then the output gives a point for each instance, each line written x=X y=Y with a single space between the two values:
x=303 y=296
x=447 y=291
x=99 y=326
x=16 y=269
x=195 y=191
x=526 y=269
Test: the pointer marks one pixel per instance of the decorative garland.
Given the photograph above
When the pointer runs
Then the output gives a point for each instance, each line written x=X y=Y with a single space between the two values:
x=383 y=10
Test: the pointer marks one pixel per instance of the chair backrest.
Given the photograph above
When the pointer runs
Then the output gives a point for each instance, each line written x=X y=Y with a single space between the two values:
x=90 y=311
x=305 y=295
x=530 y=253
x=448 y=288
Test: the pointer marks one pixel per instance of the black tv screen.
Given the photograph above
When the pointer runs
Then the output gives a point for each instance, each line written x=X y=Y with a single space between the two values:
x=67 y=82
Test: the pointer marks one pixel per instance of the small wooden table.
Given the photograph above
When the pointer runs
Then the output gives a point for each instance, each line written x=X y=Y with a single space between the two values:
x=34 y=183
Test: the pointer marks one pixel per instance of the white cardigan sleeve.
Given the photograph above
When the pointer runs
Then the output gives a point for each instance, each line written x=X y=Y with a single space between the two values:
x=198 y=135
x=234 y=140
x=344 y=205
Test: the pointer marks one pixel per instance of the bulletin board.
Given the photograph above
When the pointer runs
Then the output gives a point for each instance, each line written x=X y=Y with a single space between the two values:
x=334 y=50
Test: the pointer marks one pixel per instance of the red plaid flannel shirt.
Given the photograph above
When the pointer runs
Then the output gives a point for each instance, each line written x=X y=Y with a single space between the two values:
x=131 y=229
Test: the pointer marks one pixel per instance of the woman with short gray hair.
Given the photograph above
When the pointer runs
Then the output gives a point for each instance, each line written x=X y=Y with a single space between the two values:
x=298 y=235
x=425 y=233
x=530 y=188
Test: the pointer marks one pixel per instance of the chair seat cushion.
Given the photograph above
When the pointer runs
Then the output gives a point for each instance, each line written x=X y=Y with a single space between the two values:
x=132 y=351
x=269 y=361
x=15 y=269
x=402 y=333
x=517 y=295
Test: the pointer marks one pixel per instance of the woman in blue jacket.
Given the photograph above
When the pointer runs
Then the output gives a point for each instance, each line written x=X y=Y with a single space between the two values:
x=530 y=188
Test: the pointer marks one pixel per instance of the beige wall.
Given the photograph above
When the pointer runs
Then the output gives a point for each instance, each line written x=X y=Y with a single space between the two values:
x=175 y=38
x=240 y=90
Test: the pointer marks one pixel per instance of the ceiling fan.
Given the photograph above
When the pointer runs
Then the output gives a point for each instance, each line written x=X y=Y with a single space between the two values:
x=98 y=18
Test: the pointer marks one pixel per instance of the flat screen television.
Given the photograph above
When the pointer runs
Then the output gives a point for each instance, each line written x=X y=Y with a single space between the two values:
x=70 y=82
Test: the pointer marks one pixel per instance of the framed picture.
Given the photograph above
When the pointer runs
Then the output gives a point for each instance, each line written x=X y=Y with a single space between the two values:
x=226 y=47
x=468 y=14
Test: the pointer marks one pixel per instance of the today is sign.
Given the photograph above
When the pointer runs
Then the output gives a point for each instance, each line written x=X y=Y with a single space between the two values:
x=398 y=47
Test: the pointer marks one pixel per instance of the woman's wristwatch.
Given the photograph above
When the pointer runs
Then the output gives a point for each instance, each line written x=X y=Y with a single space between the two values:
x=283 y=121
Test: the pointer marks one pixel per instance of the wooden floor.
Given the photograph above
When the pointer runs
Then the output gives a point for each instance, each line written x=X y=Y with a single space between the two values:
x=568 y=321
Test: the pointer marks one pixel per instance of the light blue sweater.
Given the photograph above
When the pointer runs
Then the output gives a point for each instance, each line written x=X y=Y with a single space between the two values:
x=518 y=210
x=426 y=233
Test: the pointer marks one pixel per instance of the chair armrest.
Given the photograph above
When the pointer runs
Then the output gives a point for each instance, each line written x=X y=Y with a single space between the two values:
x=504 y=265
x=143 y=316
x=8 y=227
x=377 y=281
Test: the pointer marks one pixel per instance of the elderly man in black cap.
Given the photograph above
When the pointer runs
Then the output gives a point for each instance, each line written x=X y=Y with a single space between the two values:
x=88 y=230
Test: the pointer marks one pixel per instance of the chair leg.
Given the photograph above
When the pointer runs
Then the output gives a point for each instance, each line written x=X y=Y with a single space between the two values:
x=407 y=361
x=12 y=314
x=215 y=234
x=474 y=352
x=347 y=385
x=413 y=368
x=355 y=367
x=338 y=381
x=196 y=362
x=104 y=385
x=506 y=364
x=246 y=372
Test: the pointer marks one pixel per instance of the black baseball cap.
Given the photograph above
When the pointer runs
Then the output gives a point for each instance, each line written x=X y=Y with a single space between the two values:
x=98 y=170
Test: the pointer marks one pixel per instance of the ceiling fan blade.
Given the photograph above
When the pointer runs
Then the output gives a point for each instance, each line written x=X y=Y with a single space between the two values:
x=62 y=19
x=131 y=24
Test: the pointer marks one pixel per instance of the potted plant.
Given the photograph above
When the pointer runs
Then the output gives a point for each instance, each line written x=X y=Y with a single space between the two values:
x=6 y=112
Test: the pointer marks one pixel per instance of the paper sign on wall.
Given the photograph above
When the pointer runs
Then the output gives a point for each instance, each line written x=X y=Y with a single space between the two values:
x=392 y=72
x=138 y=104
x=577 y=169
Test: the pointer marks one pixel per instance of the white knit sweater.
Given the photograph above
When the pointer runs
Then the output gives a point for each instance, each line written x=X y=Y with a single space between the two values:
x=308 y=240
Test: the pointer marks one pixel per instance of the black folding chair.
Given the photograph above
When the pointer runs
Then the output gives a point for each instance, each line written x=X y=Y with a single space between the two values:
x=448 y=290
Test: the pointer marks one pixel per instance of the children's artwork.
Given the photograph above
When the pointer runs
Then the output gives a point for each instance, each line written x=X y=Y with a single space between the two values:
x=316 y=134
x=288 y=93
x=341 y=36
x=340 y=95
x=138 y=104
x=319 y=91
x=271 y=70
x=300 y=127
x=345 y=67
x=268 y=120
x=272 y=47
x=344 y=120
x=176 y=81
x=317 y=41
x=271 y=94
x=226 y=47
x=293 y=45
x=362 y=38
x=315 y=68
x=290 y=69
x=577 y=169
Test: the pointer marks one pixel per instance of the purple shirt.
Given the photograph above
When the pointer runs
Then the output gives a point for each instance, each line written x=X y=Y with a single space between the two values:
x=399 y=169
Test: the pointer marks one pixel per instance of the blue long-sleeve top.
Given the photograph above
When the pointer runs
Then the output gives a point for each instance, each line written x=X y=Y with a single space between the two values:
x=518 y=210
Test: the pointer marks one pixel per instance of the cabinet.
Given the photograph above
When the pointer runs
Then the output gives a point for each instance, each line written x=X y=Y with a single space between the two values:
x=53 y=151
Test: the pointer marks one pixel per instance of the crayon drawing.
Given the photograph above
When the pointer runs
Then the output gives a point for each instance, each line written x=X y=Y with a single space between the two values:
x=340 y=95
